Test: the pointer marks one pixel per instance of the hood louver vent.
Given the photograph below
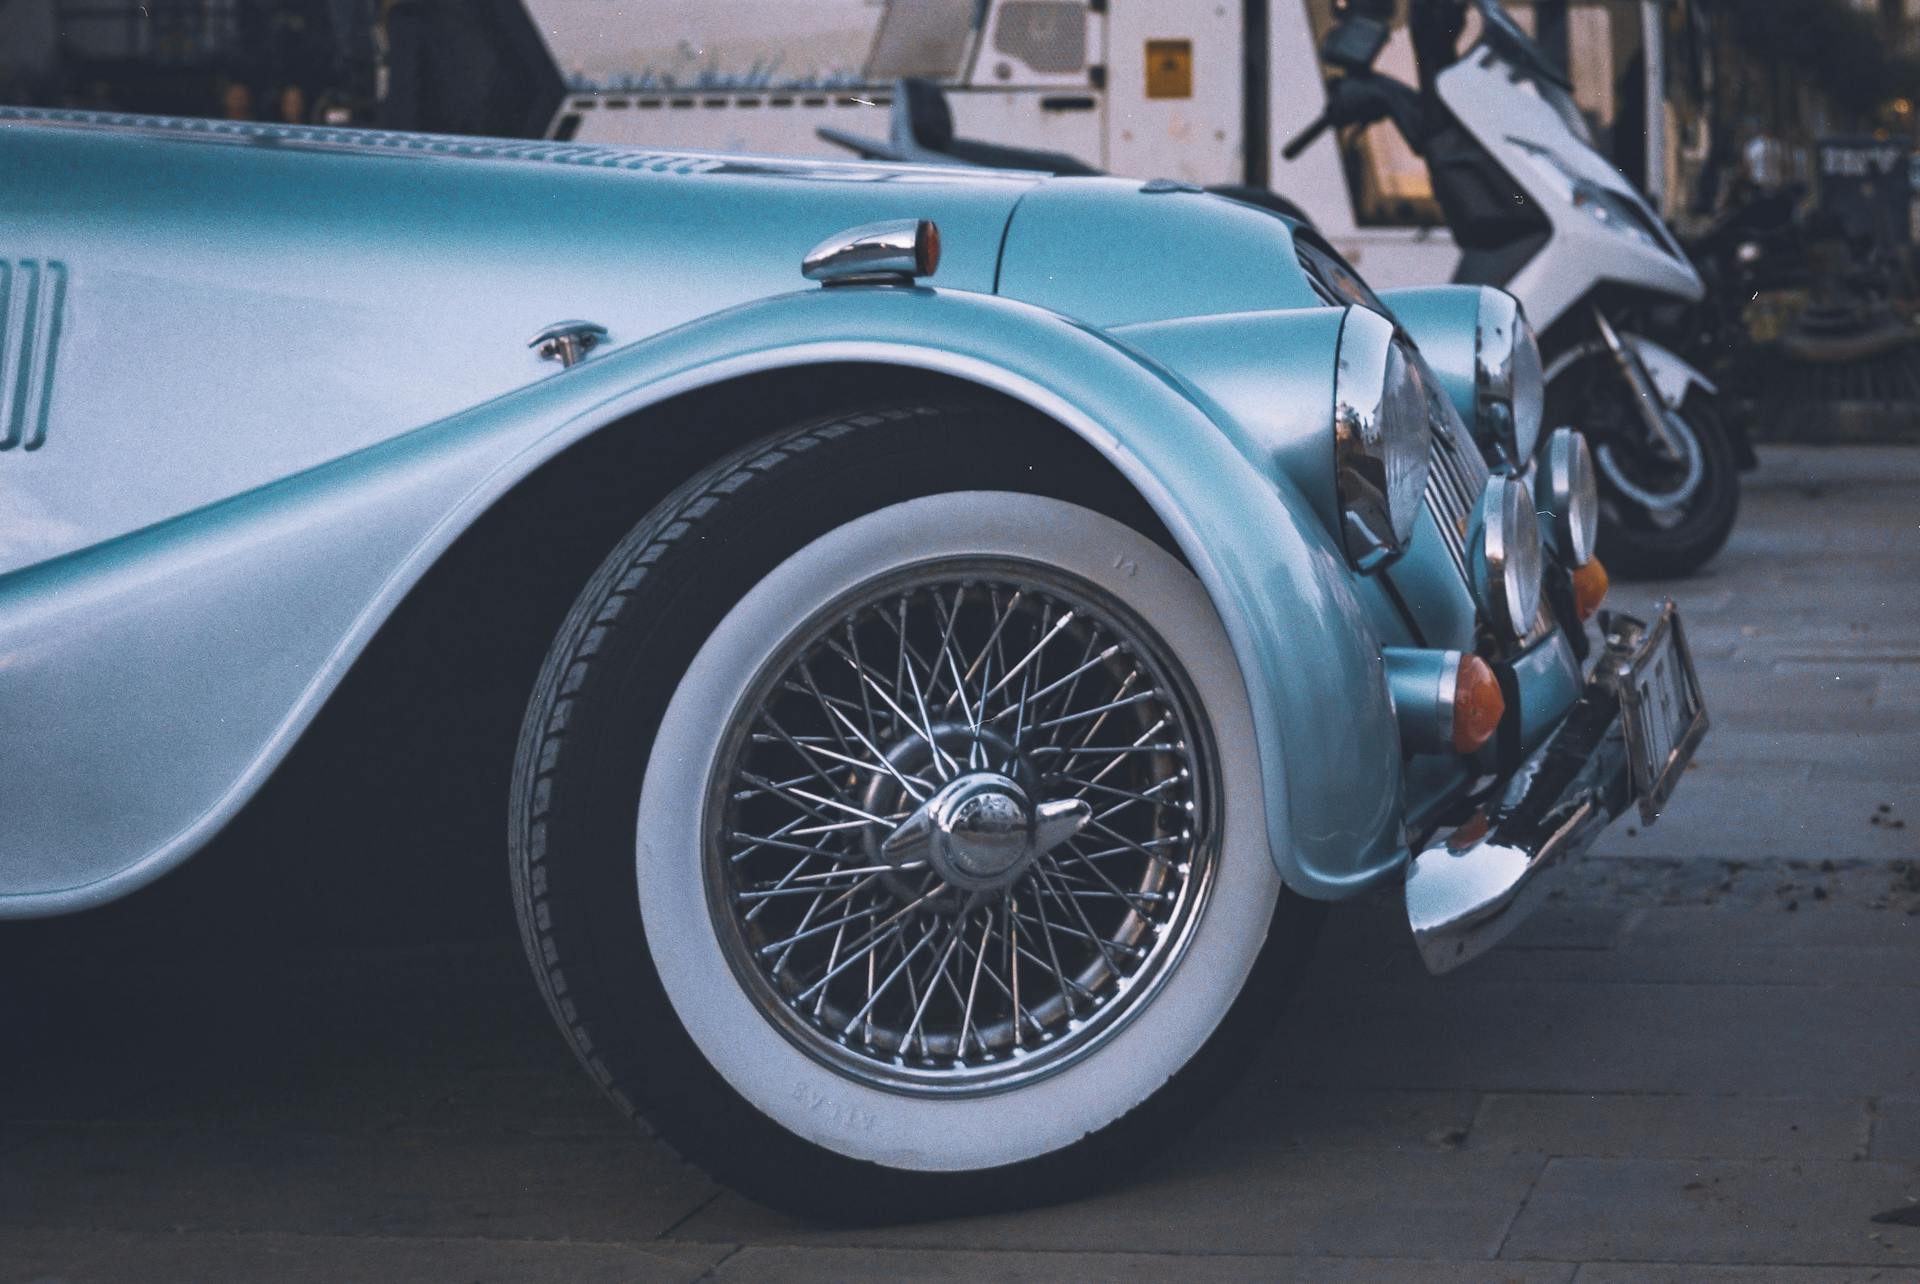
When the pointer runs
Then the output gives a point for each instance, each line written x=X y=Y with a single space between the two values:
x=32 y=296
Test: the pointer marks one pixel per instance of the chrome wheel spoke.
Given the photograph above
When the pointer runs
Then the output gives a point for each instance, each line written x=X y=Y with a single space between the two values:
x=905 y=869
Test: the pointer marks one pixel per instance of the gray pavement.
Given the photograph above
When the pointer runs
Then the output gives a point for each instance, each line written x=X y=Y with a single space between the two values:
x=1700 y=1062
x=1807 y=633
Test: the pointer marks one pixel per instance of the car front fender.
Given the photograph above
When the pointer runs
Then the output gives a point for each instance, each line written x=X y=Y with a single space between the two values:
x=1444 y=321
x=155 y=681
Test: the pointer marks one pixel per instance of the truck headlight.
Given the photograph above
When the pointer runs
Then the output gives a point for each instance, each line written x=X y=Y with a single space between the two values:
x=1381 y=440
x=1509 y=382
x=1568 y=491
x=1508 y=556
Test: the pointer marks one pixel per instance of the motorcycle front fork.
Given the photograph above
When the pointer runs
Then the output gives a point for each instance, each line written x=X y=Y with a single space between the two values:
x=1661 y=437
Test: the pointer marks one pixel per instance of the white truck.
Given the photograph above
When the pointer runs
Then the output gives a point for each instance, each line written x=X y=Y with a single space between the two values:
x=1206 y=91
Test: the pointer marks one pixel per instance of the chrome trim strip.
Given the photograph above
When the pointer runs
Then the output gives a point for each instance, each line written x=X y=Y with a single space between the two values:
x=33 y=296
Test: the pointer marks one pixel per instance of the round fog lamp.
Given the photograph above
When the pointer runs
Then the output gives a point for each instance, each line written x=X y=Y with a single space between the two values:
x=1508 y=555
x=1569 y=493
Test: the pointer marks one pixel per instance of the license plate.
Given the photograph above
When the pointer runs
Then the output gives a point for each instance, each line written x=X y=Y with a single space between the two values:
x=1663 y=711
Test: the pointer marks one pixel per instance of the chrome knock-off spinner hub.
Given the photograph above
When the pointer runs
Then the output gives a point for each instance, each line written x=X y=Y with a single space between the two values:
x=981 y=831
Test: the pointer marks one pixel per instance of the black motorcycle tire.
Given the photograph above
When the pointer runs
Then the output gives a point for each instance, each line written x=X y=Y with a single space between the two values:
x=1633 y=546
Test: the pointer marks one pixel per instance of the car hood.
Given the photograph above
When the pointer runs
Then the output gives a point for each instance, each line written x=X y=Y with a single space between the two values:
x=208 y=278
x=733 y=226
x=705 y=230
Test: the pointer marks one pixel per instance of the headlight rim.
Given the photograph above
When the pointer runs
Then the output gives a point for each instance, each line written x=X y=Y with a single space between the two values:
x=1510 y=557
x=1508 y=375
x=1572 y=495
x=1373 y=369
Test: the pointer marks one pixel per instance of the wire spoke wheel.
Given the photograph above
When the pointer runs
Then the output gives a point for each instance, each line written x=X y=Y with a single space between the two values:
x=962 y=827
x=894 y=841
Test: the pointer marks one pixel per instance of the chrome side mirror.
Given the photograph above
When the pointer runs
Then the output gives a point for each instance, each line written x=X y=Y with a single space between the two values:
x=895 y=252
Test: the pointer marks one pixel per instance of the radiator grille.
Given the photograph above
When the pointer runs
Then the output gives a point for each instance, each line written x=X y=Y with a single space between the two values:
x=1454 y=484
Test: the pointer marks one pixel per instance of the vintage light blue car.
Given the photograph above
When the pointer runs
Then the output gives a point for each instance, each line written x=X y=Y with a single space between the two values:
x=1020 y=603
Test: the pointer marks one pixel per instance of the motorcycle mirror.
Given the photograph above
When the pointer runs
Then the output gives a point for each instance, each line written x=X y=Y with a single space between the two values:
x=1354 y=43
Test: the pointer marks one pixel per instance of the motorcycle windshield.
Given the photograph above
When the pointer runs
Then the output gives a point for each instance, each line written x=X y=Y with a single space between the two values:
x=1500 y=30
x=1508 y=39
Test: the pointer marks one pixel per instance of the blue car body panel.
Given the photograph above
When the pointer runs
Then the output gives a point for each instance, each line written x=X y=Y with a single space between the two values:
x=1445 y=321
x=241 y=306
x=1110 y=254
x=292 y=368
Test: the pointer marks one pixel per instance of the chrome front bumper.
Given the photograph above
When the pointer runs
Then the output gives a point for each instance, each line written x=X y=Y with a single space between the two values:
x=1626 y=740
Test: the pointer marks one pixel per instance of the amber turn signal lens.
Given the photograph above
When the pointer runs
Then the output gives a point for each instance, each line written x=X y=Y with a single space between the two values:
x=1589 y=588
x=1478 y=705
x=926 y=248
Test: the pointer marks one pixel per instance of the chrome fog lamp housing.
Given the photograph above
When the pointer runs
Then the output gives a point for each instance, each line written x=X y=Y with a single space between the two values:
x=1568 y=493
x=1510 y=388
x=1508 y=554
x=1381 y=440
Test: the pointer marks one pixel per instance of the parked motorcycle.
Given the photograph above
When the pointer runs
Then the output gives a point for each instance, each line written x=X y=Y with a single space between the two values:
x=1537 y=210
x=1805 y=313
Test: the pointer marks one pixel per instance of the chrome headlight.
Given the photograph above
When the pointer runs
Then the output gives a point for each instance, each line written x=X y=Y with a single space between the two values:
x=1508 y=555
x=1381 y=440
x=1568 y=490
x=1509 y=383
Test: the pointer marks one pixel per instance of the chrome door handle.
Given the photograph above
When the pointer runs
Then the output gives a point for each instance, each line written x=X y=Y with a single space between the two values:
x=568 y=341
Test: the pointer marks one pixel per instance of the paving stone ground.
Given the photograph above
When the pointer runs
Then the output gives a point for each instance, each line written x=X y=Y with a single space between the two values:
x=1701 y=1061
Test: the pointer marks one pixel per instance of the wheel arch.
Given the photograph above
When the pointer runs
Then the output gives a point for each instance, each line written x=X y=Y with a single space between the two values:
x=1307 y=651
x=1306 y=646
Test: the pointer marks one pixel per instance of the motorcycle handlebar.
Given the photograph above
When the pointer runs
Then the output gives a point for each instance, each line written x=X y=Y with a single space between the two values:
x=1305 y=138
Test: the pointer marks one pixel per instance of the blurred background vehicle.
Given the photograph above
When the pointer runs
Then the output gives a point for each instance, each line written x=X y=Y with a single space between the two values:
x=1532 y=205
x=1705 y=105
